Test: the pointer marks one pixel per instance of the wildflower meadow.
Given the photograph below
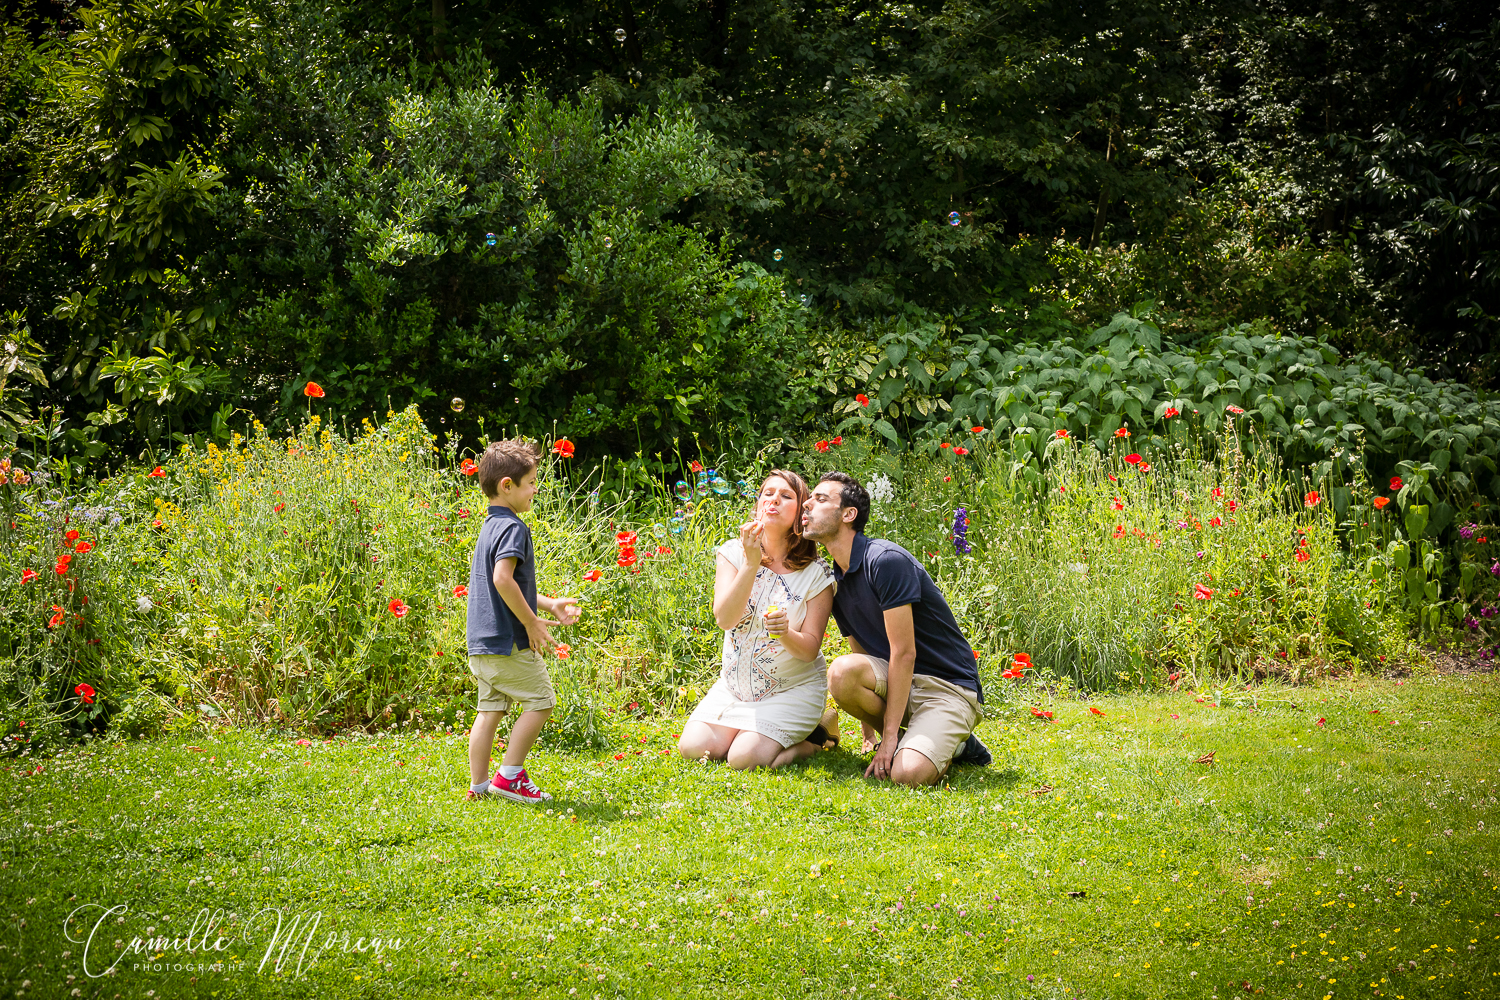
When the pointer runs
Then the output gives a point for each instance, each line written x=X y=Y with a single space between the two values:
x=1225 y=758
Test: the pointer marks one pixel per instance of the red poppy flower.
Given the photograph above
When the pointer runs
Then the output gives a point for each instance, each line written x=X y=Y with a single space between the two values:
x=279 y=508
x=822 y=446
x=1172 y=411
x=61 y=567
x=627 y=557
x=1040 y=714
x=1122 y=432
x=624 y=538
x=1012 y=674
x=696 y=467
x=314 y=390
x=85 y=694
x=397 y=608
x=27 y=575
x=1234 y=409
x=1062 y=432
x=563 y=448
x=1395 y=482
x=58 y=614
x=975 y=652
x=461 y=591
x=1145 y=466
x=837 y=441
x=976 y=430
x=1380 y=502
x=1320 y=722
x=563 y=651
x=1023 y=660
x=1117 y=504
x=72 y=535
x=1215 y=522
x=156 y=523
x=663 y=550
x=945 y=444
x=619 y=756
x=1233 y=506
x=156 y=473
x=1216 y=493
x=1133 y=459
x=861 y=399
x=1201 y=593
x=1113 y=478
x=1312 y=498
x=1096 y=710
x=960 y=450
x=593 y=575
x=468 y=467
x=84 y=548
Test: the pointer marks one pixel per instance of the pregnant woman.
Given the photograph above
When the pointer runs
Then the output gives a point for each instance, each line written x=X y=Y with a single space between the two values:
x=772 y=598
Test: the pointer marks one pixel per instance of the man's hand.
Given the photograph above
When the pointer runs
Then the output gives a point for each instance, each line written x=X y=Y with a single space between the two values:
x=880 y=767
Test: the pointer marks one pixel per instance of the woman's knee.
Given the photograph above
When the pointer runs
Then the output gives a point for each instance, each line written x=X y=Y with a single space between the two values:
x=745 y=754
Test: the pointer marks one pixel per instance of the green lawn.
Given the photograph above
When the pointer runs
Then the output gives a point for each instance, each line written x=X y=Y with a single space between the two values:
x=1353 y=858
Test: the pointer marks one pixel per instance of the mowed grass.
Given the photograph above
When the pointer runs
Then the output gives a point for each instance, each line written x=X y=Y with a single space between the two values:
x=1095 y=858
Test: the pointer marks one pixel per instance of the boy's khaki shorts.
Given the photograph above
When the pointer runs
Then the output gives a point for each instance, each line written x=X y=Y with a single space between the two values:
x=518 y=679
x=940 y=715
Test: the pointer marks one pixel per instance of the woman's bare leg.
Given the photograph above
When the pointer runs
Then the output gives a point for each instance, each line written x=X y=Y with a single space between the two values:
x=795 y=752
x=700 y=739
x=751 y=749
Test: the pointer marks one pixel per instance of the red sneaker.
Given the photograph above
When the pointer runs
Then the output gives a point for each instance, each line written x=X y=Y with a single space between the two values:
x=520 y=788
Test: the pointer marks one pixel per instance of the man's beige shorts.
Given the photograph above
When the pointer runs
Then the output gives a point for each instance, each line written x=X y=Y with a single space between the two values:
x=940 y=715
x=518 y=679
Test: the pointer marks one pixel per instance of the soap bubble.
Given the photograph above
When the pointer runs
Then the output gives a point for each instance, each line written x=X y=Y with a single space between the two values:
x=776 y=255
x=457 y=405
x=702 y=487
x=953 y=219
x=683 y=490
x=746 y=490
x=489 y=239
x=659 y=530
x=593 y=496
x=677 y=524
x=805 y=300
x=721 y=487
x=608 y=242
x=619 y=34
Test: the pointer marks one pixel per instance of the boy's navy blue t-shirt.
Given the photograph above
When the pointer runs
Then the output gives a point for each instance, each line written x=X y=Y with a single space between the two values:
x=492 y=627
x=881 y=576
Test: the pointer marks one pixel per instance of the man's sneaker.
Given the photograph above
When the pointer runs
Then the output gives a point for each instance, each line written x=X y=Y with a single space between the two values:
x=973 y=752
x=520 y=788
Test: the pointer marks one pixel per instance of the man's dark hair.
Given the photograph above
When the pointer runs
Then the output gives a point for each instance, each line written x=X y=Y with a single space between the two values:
x=852 y=494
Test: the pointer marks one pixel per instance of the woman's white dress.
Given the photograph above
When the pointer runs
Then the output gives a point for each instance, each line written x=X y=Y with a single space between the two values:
x=762 y=687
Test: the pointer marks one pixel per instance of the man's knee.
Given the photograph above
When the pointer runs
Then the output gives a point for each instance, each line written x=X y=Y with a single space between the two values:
x=912 y=768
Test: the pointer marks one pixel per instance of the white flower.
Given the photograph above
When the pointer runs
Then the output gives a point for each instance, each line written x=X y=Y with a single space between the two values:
x=143 y=604
x=881 y=489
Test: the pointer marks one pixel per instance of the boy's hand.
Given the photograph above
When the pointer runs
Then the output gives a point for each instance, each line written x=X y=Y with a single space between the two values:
x=541 y=640
x=566 y=610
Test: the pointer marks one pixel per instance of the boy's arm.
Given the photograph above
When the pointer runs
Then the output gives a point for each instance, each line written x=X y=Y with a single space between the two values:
x=564 y=609
x=510 y=592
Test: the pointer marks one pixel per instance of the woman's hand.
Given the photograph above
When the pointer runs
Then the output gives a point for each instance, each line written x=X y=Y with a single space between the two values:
x=776 y=621
x=752 y=536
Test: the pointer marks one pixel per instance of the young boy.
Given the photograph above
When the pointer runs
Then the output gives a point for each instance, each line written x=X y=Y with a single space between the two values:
x=506 y=638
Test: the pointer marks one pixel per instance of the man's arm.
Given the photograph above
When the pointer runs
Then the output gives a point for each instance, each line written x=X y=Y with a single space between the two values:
x=901 y=635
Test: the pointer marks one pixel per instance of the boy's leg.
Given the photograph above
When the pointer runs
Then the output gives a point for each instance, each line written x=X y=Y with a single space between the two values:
x=523 y=734
x=482 y=745
x=699 y=738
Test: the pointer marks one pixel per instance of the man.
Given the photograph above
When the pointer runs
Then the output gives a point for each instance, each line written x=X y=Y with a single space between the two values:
x=911 y=669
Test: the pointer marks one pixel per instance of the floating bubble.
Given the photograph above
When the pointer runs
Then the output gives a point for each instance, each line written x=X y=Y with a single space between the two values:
x=953 y=219
x=489 y=239
x=457 y=405
x=683 y=490
x=677 y=524
x=776 y=255
x=805 y=300
x=702 y=486
x=721 y=487
x=608 y=242
x=746 y=490
x=619 y=34
x=593 y=496
x=659 y=530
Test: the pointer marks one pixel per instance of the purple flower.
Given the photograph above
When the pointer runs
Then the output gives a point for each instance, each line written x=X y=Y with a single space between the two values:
x=1471 y=623
x=1486 y=654
x=1029 y=977
x=961 y=544
x=1495 y=569
x=1199 y=555
x=1466 y=532
x=1489 y=612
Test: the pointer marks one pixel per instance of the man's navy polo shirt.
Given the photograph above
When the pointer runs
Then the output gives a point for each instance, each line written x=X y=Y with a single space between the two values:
x=881 y=576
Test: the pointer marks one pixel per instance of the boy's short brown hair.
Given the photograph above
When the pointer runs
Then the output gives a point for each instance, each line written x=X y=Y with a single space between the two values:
x=510 y=459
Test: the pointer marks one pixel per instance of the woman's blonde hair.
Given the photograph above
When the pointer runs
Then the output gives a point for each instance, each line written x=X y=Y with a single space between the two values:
x=801 y=551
